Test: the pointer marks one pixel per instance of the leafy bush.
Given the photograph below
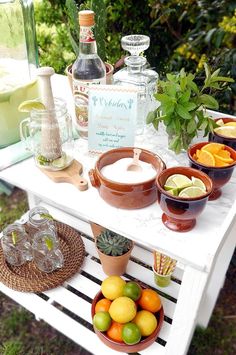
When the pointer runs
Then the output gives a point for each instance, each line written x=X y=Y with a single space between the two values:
x=184 y=33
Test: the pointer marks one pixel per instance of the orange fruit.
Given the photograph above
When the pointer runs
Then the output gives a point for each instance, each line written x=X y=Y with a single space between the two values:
x=102 y=305
x=212 y=148
x=206 y=158
x=219 y=163
x=115 y=331
x=224 y=153
x=197 y=152
x=150 y=300
x=225 y=160
x=146 y=321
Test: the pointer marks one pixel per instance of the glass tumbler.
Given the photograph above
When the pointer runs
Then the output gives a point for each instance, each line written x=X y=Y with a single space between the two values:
x=47 y=255
x=16 y=247
x=40 y=219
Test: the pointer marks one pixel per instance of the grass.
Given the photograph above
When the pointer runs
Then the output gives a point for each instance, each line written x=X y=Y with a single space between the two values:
x=21 y=334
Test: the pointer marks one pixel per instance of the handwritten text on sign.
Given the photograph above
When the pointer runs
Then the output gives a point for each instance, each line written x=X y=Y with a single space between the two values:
x=112 y=117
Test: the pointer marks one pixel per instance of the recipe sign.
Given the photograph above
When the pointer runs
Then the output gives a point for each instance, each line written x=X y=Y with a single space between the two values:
x=112 y=116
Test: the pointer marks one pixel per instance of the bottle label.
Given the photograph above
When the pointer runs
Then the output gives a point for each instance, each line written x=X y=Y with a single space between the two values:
x=87 y=34
x=81 y=91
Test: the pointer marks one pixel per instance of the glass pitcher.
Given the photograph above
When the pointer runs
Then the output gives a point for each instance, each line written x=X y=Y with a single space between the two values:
x=18 y=61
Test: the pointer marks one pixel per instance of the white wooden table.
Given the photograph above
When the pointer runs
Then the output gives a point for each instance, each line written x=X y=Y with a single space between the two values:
x=203 y=254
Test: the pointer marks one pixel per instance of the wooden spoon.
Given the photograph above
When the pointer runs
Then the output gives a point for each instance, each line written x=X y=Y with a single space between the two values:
x=135 y=166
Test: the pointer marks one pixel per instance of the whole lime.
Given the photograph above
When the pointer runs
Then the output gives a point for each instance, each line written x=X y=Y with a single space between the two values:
x=102 y=321
x=131 y=334
x=132 y=290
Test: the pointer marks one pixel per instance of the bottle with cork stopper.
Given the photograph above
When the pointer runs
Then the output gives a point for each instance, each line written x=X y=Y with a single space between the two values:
x=88 y=69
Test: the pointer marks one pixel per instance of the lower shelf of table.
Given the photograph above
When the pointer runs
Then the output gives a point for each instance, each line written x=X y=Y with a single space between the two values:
x=68 y=308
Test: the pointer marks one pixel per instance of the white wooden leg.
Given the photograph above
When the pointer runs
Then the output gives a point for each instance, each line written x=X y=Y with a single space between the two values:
x=33 y=200
x=217 y=278
x=184 y=320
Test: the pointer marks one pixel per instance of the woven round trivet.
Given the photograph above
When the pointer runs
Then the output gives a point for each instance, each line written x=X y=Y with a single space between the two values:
x=28 y=278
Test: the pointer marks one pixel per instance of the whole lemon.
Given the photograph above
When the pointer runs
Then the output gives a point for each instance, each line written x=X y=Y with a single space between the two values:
x=146 y=321
x=112 y=287
x=123 y=309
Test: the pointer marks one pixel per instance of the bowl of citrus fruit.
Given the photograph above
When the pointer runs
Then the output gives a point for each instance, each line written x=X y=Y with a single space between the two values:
x=225 y=132
x=182 y=194
x=127 y=316
x=216 y=160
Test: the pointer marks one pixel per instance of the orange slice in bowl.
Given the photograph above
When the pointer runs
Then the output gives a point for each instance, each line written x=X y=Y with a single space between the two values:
x=206 y=158
x=220 y=163
x=213 y=148
x=197 y=152
x=225 y=160
x=223 y=153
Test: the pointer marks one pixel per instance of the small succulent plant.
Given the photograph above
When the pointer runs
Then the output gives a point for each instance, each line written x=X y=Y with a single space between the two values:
x=110 y=243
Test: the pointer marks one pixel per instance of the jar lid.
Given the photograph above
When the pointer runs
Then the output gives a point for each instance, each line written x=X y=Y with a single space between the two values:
x=86 y=18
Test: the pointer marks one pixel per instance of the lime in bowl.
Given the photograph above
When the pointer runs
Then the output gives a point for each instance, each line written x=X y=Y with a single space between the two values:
x=182 y=195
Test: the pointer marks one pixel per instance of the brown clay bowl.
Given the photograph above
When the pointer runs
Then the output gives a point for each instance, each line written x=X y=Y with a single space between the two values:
x=121 y=195
x=120 y=346
x=215 y=137
x=180 y=213
x=219 y=175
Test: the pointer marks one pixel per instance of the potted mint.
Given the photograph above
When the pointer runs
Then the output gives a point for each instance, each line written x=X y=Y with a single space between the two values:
x=114 y=252
x=183 y=106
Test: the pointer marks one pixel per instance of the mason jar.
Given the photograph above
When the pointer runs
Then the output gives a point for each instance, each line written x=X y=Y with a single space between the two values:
x=40 y=219
x=50 y=140
x=15 y=245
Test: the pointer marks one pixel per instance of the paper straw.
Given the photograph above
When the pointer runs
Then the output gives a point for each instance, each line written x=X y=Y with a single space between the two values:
x=157 y=258
x=167 y=265
x=163 y=259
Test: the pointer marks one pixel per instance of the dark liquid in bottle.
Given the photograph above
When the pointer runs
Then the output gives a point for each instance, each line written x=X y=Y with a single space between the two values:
x=88 y=69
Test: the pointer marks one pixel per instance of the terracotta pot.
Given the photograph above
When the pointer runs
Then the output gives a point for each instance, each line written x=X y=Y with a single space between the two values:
x=121 y=195
x=109 y=74
x=96 y=229
x=114 y=265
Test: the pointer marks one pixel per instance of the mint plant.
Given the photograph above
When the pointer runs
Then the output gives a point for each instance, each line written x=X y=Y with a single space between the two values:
x=183 y=106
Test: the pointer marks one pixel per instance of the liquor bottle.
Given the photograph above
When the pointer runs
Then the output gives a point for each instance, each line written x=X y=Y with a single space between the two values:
x=137 y=75
x=88 y=69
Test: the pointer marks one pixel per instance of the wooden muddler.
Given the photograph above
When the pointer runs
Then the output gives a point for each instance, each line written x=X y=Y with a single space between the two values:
x=50 y=134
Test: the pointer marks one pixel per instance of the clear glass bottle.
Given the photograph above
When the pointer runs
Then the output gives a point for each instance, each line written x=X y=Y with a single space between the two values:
x=18 y=61
x=88 y=69
x=136 y=74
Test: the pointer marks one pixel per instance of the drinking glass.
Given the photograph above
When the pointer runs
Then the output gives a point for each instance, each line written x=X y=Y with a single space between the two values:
x=47 y=255
x=16 y=247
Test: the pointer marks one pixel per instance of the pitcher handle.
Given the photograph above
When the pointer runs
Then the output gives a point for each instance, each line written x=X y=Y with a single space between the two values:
x=24 y=130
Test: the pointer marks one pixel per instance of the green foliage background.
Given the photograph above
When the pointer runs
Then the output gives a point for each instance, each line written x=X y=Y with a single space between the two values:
x=184 y=33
